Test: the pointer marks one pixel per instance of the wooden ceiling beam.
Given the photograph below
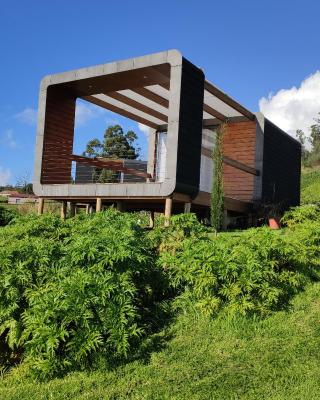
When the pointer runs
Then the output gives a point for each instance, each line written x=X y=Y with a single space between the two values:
x=214 y=113
x=228 y=100
x=148 y=94
x=139 y=106
x=165 y=85
x=136 y=78
x=121 y=111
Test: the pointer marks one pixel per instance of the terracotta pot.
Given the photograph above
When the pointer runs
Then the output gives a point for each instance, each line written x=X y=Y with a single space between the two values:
x=274 y=223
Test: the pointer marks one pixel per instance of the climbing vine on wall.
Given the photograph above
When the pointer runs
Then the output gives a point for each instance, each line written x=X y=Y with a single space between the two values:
x=217 y=194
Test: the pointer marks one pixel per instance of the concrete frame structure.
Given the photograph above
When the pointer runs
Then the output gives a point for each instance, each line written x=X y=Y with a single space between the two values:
x=167 y=93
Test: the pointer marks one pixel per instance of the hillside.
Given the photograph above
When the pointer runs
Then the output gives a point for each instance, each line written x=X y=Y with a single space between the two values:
x=99 y=308
x=310 y=185
x=276 y=358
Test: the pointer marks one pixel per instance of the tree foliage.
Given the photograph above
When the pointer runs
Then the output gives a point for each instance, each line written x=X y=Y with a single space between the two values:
x=75 y=291
x=256 y=271
x=115 y=145
x=217 y=195
x=310 y=144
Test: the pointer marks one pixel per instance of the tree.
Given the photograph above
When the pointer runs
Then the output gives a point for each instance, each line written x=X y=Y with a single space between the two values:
x=303 y=141
x=23 y=183
x=217 y=194
x=310 y=157
x=115 y=145
x=315 y=134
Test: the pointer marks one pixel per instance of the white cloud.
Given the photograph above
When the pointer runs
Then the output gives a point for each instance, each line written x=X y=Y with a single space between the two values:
x=5 y=175
x=84 y=113
x=294 y=108
x=27 y=116
x=143 y=128
x=8 y=139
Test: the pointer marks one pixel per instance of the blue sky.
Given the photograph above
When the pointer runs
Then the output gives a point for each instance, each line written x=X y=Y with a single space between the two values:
x=248 y=48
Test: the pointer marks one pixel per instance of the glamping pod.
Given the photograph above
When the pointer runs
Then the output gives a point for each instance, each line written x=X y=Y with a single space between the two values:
x=183 y=110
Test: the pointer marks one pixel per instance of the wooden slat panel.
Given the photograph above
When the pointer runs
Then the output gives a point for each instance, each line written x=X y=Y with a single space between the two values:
x=233 y=163
x=115 y=165
x=58 y=137
x=239 y=148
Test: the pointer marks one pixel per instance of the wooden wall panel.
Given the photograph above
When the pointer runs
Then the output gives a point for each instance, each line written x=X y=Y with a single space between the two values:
x=58 y=137
x=239 y=143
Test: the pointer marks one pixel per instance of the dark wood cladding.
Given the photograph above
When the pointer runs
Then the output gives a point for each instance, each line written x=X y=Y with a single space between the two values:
x=58 y=136
x=190 y=129
x=239 y=143
x=281 y=167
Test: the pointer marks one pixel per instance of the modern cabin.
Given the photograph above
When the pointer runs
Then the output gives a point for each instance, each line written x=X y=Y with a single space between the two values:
x=183 y=110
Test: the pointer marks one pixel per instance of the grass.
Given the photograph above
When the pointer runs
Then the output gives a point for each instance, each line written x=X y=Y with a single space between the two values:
x=275 y=358
x=197 y=358
x=310 y=186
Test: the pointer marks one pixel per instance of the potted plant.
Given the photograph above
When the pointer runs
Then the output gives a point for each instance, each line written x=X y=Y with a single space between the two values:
x=274 y=212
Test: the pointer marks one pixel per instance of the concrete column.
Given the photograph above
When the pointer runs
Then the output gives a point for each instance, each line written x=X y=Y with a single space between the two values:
x=167 y=211
x=151 y=220
x=87 y=208
x=187 y=208
x=120 y=206
x=63 y=210
x=99 y=204
x=72 y=209
x=40 y=206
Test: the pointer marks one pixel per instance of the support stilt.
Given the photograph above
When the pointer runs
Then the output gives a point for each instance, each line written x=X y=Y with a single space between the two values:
x=167 y=211
x=87 y=208
x=98 y=204
x=72 y=209
x=120 y=206
x=187 y=208
x=151 y=220
x=63 y=210
x=40 y=206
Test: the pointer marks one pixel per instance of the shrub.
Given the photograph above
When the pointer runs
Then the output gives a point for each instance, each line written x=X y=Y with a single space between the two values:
x=77 y=293
x=77 y=290
x=6 y=216
x=298 y=215
x=256 y=271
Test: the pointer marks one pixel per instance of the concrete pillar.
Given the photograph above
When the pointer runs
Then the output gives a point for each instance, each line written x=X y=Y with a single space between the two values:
x=40 y=206
x=167 y=211
x=120 y=206
x=72 y=209
x=98 y=204
x=151 y=220
x=187 y=208
x=63 y=210
x=87 y=208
